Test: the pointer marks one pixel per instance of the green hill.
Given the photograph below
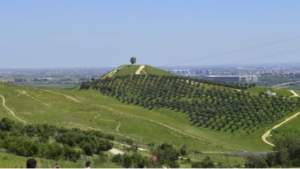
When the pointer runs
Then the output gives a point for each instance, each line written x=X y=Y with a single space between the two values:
x=91 y=110
x=151 y=108
x=125 y=70
x=208 y=105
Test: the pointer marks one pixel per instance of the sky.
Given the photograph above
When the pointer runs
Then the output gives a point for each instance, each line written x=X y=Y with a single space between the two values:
x=105 y=33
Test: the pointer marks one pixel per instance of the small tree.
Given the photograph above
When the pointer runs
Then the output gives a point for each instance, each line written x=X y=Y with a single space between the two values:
x=207 y=163
x=256 y=162
x=183 y=150
x=133 y=60
x=167 y=155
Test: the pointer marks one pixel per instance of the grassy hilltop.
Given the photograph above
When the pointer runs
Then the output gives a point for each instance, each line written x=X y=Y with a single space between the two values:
x=125 y=70
x=144 y=123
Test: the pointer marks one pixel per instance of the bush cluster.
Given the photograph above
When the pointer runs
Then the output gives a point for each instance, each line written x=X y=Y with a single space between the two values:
x=51 y=142
x=286 y=154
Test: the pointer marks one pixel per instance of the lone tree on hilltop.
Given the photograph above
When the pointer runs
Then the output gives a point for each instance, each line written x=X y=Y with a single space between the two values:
x=133 y=60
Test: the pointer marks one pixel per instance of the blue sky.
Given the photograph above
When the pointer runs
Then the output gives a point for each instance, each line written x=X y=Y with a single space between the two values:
x=99 y=33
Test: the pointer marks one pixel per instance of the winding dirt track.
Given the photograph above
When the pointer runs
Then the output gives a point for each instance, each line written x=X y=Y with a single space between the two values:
x=11 y=111
x=118 y=127
x=178 y=131
x=268 y=132
x=23 y=92
x=113 y=72
x=61 y=94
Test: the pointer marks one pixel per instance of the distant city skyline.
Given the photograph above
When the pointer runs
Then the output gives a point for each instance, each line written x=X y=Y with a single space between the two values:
x=74 y=33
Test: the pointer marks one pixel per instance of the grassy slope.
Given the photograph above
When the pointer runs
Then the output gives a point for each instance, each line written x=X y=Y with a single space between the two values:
x=127 y=69
x=124 y=70
x=293 y=125
x=155 y=71
x=280 y=92
x=105 y=113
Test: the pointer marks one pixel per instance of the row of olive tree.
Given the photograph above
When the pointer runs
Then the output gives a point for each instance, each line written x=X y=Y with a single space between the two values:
x=208 y=105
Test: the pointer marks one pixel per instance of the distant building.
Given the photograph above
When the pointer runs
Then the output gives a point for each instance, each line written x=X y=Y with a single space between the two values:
x=182 y=72
x=233 y=78
x=249 y=78
x=223 y=78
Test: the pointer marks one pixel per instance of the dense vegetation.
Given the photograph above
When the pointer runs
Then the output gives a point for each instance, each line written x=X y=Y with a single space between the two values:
x=161 y=155
x=55 y=143
x=214 y=106
x=51 y=142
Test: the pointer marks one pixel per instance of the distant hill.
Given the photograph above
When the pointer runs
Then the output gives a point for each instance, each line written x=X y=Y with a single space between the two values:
x=125 y=70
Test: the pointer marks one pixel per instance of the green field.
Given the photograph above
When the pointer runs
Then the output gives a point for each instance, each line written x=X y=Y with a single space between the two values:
x=279 y=92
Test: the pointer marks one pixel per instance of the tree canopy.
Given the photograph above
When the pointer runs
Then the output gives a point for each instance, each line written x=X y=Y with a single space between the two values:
x=133 y=60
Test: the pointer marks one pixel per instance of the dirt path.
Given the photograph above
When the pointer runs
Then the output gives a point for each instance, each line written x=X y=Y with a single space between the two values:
x=154 y=122
x=116 y=151
x=83 y=127
x=11 y=111
x=294 y=93
x=140 y=69
x=118 y=127
x=268 y=132
x=172 y=129
x=23 y=92
x=113 y=72
x=61 y=94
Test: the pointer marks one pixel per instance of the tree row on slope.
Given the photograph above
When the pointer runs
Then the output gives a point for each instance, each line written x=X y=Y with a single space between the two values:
x=221 y=108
